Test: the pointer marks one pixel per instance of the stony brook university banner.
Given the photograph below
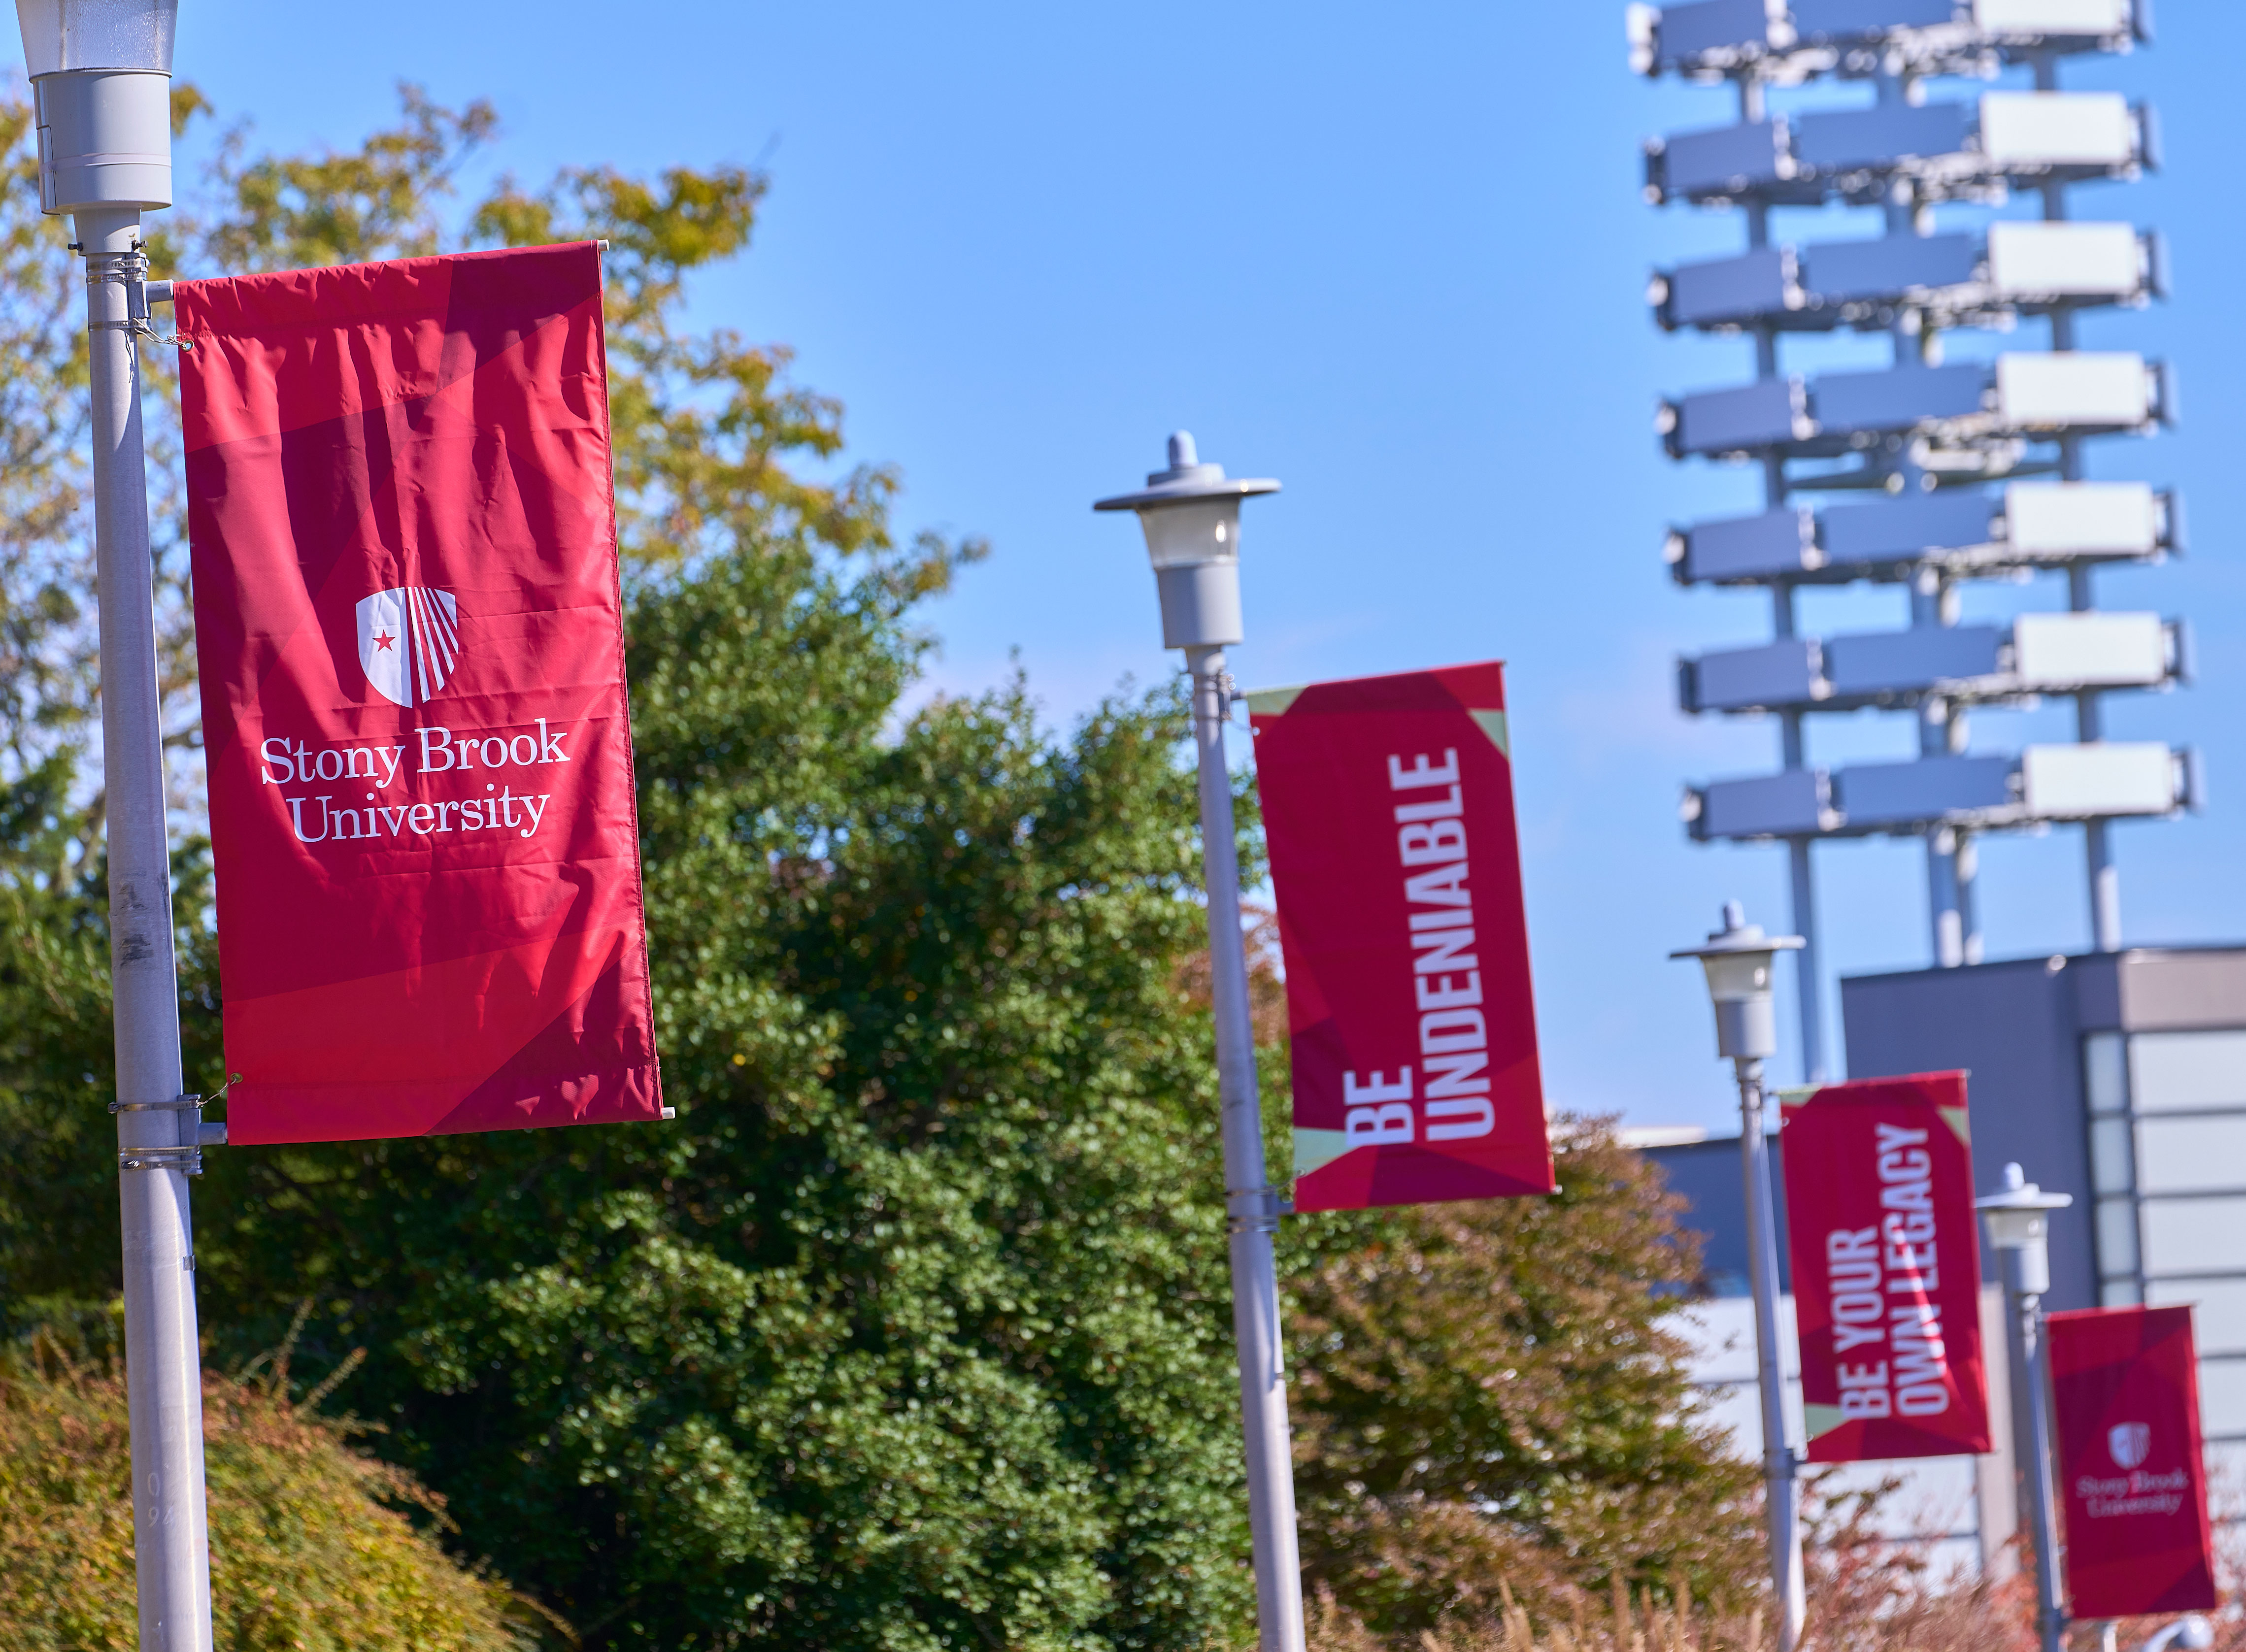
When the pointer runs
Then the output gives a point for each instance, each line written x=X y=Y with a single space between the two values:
x=1887 y=1269
x=1388 y=807
x=2125 y=1390
x=409 y=631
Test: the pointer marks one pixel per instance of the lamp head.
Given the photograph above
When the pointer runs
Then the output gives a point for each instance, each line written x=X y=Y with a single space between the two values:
x=1190 y=513
x=1737 y=959
x=2017 y=1213
x=2018 y=1219
x=101 y=84
x=59 y=35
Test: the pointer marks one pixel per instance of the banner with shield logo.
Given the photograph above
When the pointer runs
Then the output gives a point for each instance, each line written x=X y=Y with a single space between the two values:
x=2125 y=1388
x=410 y=638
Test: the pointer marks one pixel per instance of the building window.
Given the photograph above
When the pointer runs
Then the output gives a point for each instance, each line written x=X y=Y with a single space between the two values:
x=2167 y=1165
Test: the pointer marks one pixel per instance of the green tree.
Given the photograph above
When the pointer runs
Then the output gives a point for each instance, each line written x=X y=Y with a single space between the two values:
x=1488 y=1393
x=911 y=1330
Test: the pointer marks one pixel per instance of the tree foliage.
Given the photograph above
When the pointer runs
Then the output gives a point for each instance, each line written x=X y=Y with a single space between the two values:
x=912 y=1330
x=1487 y=1392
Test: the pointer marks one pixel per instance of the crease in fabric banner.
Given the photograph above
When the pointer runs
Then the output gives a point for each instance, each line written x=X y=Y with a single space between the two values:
x=409 y=633
x=2132 y=1479
x=1388 y=811
x=1886 y=1268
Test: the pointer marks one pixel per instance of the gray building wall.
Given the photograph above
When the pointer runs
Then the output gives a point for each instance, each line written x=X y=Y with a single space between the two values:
x=2017 y=1027
x=1707 y=1173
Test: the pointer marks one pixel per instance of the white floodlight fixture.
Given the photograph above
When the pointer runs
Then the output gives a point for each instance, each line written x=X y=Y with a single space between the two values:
x=1191 y=516
x=1737 y=959
x=2019 y=1218
x=101 y=79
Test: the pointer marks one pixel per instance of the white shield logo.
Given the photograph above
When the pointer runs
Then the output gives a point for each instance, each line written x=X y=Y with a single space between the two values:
x=409 y=639
x=2129 y=1442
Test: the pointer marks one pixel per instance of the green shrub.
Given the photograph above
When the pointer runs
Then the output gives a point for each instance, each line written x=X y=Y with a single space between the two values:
x=311 y=1548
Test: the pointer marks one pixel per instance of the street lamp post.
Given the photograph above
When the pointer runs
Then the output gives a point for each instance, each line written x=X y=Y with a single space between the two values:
x=1191 y=515
x=1737 y=959
x=2019 y=1224
x=101 y=79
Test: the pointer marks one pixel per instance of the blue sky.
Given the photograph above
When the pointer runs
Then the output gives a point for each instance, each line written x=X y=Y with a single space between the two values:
x=1395 y=257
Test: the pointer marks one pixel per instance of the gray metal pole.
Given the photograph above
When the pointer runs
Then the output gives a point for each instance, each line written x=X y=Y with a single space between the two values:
x=1780 y=1506
x=1809 y=1005
x=2105 y=878
x=2026 y=1335
x=1252 y=1204
x=1941 y=729
x=154 y=1138
x=1808 y=970
x=1808 y=967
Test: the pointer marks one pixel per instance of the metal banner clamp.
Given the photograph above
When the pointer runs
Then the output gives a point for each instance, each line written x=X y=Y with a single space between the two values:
x=188 y=1157
x=137 y=302
x=130 y=271
x=1256 y=1210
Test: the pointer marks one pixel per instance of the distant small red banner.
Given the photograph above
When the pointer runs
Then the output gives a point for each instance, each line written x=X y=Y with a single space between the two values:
x=2125 y=1387
x=1388 y=807
x=1887 y=1269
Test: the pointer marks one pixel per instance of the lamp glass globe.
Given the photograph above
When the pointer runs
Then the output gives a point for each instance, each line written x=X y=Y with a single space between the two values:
x=1192 y=532
x=97 y=34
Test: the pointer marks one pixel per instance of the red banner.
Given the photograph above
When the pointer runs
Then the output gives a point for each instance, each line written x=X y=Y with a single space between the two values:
x=1887 y=1269
x=2125 y=1390
x=410 y=639
x=1388 y=806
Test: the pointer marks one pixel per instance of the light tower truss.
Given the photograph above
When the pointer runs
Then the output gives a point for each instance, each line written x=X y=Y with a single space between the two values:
x=1925 y=474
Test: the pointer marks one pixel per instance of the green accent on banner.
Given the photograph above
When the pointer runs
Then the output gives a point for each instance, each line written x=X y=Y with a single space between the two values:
x=1493 y=724
x=1315 y=1149
x=1956 y=1118
x=1821 y=1419
x=1273 y=702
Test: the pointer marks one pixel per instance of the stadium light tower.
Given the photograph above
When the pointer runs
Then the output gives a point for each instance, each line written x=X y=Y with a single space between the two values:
x=1928 y=473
